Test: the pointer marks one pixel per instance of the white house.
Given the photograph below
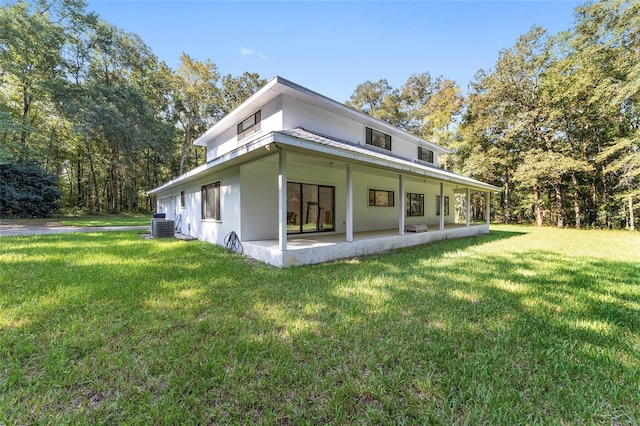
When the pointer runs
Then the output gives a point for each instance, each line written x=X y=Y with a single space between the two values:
x=300 y=178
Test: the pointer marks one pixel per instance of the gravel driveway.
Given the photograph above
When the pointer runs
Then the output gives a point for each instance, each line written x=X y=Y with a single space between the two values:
x=9 y=229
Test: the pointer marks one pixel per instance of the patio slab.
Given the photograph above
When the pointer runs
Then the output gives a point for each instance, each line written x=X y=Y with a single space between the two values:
x=319 y=248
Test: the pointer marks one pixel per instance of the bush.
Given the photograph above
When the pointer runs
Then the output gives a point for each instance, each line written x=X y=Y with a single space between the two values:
x=27 y=191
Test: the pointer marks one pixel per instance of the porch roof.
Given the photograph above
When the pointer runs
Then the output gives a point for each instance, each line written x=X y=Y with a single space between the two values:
x=304 y=141
x=372 y=156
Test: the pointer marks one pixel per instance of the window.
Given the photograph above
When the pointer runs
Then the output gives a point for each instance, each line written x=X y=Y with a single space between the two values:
x=425 y=154
x=211 y=201
x=310 y=208
x=379 y=139
x=249 y=125
x=182 y=199
x=415 y=204
x=446 y=206
x=380 y=198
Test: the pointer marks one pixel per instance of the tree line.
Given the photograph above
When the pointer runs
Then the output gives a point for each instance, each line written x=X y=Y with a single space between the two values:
x=95 y=107
x=555 y=123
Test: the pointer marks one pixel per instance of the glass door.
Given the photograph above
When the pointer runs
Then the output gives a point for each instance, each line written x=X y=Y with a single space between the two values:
x=325 y=208
x=310 y=208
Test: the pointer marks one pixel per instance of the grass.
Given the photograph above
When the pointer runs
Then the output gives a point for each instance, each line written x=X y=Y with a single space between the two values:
x=86 y=221
x=109 y=220
x=521 y=326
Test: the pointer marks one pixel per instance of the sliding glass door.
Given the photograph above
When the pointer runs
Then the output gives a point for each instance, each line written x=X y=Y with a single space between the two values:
x=310 y=208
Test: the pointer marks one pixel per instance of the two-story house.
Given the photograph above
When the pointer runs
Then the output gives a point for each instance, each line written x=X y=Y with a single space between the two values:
x=300 y=178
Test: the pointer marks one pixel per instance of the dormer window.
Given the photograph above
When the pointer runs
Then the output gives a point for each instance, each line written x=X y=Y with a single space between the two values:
x=379 y=139
x=425 y=154
x=249 y=125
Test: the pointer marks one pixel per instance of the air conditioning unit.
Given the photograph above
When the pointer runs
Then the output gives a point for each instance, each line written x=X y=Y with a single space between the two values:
x=162 y=228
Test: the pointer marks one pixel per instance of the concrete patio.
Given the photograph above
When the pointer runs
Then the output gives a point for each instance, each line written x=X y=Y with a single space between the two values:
x=318 y=247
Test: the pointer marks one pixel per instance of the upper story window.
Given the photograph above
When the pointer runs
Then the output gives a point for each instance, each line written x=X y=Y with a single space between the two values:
x=249 y=125
x=379 y=139
x=425 y=154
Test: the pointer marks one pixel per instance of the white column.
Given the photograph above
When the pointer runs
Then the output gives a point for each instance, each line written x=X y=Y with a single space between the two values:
x=402 y=203
x=282 y=200
x=488 y=207
x=349 y=220
x=468 y=199
x=441 y=206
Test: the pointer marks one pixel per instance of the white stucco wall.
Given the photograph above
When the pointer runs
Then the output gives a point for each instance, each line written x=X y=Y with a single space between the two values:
x=367 y=218
x=301 y=114
x=271 y=114
x=286 y=112
x=259 y=200
x=191 y=215
x=249 y=198
x=259 y=180
x=165 y=205
x=328 y=176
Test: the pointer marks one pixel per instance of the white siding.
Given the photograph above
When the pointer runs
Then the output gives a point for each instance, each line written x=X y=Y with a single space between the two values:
x=430 y=189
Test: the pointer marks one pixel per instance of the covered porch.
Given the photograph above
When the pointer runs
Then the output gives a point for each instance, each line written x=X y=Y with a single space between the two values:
x=334 y=203
x=323 y=247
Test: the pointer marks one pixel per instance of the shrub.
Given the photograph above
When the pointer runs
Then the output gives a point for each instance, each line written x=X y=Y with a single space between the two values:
x=27 y=191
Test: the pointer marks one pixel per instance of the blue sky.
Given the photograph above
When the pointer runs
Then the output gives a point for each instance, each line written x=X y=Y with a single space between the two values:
x=332 y=46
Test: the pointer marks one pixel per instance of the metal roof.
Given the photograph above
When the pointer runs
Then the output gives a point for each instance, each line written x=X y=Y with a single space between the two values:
x=388 y=160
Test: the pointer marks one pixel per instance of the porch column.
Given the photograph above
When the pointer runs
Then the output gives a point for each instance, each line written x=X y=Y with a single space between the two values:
x=349 y=220
x=401 y=209
x=282 y=200
x=441 y=206
x=488 y=207
x=468 y=206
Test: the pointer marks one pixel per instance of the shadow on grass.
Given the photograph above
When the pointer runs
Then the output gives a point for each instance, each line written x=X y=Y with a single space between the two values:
x=457 y=331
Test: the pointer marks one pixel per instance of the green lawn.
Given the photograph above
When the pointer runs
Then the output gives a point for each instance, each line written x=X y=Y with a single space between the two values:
x=88 y=221
x=522 y=326
x=109 y=220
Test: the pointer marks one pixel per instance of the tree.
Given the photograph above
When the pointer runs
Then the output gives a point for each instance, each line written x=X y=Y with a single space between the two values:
x=30 y=52
x=505 y=111
x=423 y=106
x=95 y=107
x=113 y=101
x=606 y=41
x=236 y=90
x=379 y=100
x=440 y=111
x=196 y=99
